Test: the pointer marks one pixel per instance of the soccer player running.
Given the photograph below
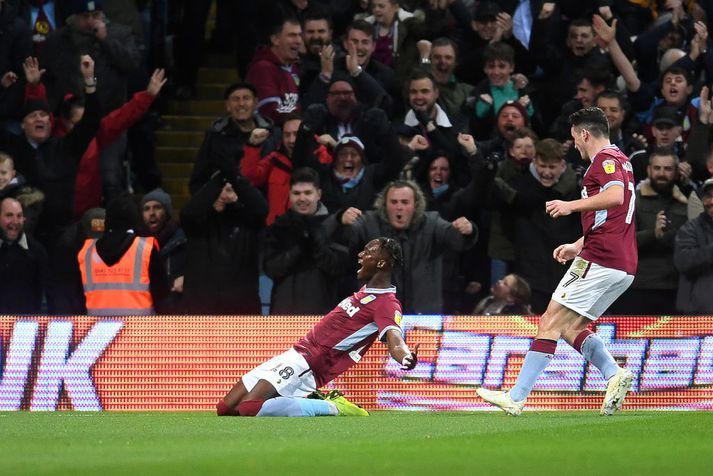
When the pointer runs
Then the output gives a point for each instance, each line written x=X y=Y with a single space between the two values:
x=338 y=341
x=605 y=260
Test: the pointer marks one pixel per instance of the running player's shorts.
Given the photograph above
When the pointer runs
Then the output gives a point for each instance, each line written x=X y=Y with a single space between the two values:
x=287 y=372
x=589 y=289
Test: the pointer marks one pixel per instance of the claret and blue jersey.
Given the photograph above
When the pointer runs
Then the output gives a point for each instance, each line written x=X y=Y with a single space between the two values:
x=344 y=335
x=610 y=235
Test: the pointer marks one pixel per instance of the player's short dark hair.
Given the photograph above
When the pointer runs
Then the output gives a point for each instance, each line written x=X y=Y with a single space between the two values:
x=499 y=51
x=305 y=175
x=393 y=247
x=591 y=119
x=239 y=85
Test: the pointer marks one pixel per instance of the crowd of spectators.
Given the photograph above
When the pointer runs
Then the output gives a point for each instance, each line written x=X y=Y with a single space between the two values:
x=443 y=124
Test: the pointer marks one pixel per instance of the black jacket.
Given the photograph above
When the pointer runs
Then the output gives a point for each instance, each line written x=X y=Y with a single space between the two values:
x=222 y=149
x=52 y=167
x=536 y=234
x=23 y=273
x=222 y=255
x=303 y=264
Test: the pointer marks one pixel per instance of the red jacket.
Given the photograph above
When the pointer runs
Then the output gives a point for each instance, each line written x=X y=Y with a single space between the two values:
x=273 y=170
x=88 y=186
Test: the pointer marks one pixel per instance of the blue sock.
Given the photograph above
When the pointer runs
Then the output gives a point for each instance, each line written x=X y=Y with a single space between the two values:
x=536 y=360
x=595 y=352
x=297 y=407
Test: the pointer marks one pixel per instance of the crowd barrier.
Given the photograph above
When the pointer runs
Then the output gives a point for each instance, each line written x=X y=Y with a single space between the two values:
x=170 y=363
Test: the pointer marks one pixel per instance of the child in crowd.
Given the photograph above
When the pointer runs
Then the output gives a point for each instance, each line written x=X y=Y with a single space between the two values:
x=510 y=295
x=500 y=86
x=10 y=182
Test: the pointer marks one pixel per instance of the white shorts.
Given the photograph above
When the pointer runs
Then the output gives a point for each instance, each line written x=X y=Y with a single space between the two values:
x=589 y=289
x=288 y=372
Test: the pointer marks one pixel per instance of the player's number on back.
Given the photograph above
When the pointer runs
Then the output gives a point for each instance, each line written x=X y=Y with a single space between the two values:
x=632 y=199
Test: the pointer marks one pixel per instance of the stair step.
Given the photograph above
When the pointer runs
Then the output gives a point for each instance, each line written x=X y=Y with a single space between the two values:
x=179 y=200
x=196 y=107
x=187 y=123
x=211 y=90
x=176 y=154
x=179 y=138
x=217 y=75
x=178 y=170
x=176 y=186
x=218 y=60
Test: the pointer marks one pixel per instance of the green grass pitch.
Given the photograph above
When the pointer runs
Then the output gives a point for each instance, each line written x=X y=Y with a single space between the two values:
x=386 y=443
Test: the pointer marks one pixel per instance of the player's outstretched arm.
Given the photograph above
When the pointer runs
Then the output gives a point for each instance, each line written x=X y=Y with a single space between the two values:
x=399 y=350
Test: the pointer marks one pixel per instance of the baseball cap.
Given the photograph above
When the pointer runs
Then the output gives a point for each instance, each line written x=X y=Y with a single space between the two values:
x=486 y=11
x=82 y=6
x=351 y=141
x=706 y=185
x=666 y=115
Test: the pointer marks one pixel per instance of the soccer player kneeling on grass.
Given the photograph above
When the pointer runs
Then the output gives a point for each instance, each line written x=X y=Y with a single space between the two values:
x=605 y=260
x=338 y=341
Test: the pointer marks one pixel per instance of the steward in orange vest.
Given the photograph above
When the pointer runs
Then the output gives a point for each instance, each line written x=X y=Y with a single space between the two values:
x=122 y=273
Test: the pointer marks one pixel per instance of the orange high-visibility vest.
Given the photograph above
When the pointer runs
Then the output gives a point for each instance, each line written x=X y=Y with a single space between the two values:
x=121 y=289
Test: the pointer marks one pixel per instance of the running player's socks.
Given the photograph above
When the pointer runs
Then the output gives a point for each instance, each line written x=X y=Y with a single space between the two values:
x=592 y=348
x=536 y=360
x=297 y=407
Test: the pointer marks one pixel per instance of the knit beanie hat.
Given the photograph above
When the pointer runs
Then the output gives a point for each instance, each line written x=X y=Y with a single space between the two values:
x=158 y=195
x=33 y=105
x=519 y=107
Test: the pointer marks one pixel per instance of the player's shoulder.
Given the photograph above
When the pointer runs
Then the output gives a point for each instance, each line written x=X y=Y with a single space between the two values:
x=609 y=159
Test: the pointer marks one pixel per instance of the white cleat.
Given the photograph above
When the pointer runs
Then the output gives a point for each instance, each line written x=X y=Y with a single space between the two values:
x=617 y=388
x=501 y=400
